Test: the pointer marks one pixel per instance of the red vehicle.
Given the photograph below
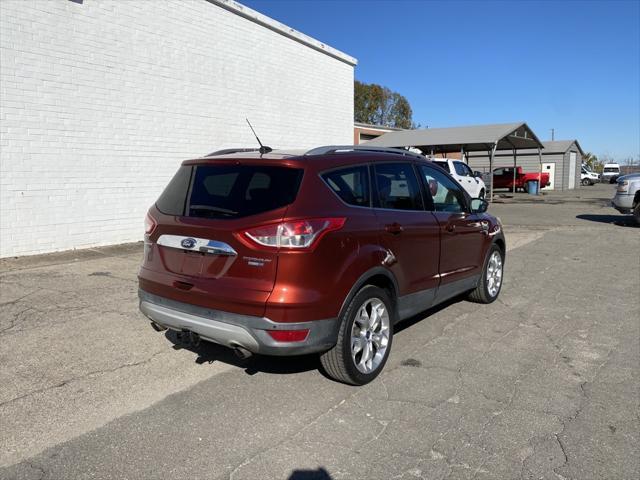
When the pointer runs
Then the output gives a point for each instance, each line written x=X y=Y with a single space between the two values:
x=503 y=178
x=290 y=253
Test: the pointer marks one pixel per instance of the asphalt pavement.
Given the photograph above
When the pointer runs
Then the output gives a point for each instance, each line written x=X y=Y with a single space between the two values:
x=544 y=383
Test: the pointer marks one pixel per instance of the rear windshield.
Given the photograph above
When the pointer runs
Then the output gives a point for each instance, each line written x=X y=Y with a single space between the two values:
x=229 y=191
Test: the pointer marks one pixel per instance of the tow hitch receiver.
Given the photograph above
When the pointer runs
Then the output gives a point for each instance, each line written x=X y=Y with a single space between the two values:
x=189 y=338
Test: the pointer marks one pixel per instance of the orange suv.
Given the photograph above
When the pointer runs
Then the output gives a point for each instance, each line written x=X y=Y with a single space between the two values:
x=323 y=251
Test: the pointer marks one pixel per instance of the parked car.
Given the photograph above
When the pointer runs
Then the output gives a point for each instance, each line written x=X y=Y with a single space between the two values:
x=610 y=172
x=290 y=253
x=503 y=178
x=587 y=177
x=627 y=197
x=469 y=180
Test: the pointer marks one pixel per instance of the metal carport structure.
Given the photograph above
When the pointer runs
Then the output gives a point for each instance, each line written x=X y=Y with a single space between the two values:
x=476 y=138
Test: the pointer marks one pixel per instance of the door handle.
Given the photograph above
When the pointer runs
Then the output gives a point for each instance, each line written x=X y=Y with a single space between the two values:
x=394 y=228
x=451 y=228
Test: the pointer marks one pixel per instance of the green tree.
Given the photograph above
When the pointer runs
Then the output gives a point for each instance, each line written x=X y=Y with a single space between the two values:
x=378 y=105
x=592 y=162
x=400 y=111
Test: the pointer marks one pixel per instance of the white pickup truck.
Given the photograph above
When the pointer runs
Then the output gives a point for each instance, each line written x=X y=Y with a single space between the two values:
x=627 y=197
x=469 y=180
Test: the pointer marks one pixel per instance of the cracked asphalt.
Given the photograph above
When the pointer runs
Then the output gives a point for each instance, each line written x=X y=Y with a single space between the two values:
x=543 y=383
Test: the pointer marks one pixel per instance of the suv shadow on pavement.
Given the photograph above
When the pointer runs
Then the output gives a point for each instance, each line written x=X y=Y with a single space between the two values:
x=319 y=474
x=208 y=352
x=619 y=220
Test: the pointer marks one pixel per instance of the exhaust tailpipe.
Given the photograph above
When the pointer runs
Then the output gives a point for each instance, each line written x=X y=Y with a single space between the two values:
x=157 y=328
x=242 y=353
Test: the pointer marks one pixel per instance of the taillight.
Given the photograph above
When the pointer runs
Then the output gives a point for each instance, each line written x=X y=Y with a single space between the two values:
x=149 y=224
x=295 y=235
x=288 y=335
x=623 y=186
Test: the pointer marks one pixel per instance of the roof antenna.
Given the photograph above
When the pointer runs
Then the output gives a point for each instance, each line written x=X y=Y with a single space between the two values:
x=262 y=149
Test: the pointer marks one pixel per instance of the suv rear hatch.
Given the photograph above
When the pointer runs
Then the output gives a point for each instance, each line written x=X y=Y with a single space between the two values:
x=197 y=251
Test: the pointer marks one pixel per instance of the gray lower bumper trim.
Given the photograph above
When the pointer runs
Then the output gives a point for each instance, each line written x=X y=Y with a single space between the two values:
x=233 y=330
x=212 y=330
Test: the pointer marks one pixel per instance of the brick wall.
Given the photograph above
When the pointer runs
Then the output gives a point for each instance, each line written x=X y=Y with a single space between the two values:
x=101 y=100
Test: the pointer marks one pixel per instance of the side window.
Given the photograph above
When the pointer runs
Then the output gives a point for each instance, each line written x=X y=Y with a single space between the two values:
x=350 y=184
x=446 y=195
x=467 y=169
x=498 y=171
x=461 y=169
x=398 y=187
x=444 y=166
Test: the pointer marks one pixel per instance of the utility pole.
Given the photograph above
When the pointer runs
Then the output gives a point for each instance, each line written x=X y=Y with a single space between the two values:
x=553 y=134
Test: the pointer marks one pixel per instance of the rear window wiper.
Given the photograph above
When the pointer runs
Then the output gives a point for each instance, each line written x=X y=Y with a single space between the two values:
x=209 y=208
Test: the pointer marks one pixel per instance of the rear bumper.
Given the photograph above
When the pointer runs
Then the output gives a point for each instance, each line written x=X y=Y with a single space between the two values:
x=237 y=330
x=623 y=203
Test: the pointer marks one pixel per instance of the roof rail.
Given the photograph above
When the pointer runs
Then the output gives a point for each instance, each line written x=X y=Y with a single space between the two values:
x=227 y=151
x=329 y=149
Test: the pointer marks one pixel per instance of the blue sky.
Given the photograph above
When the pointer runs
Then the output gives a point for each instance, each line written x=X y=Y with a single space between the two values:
x=573 y=65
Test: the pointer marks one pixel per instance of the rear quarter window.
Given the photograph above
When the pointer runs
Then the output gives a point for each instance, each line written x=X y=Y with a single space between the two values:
x=173 y=199
x=350 y=184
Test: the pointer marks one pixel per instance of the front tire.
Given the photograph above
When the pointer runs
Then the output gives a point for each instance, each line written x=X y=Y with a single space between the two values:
x=490 y=282
x=364 y=339
x=586 y=182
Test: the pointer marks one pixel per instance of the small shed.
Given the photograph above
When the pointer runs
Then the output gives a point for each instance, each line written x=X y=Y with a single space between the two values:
x=561 y=159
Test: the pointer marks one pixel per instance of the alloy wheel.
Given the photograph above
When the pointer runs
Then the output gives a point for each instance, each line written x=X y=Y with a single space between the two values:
x=494 y=274
x=370 y=335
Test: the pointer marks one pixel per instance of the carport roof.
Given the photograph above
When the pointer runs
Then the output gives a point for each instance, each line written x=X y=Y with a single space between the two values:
x=506 y=136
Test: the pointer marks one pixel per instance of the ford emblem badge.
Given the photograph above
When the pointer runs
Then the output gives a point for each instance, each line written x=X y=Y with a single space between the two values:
x=188 y=243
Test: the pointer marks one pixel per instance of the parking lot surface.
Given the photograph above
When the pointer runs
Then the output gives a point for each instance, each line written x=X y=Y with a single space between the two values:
x=544 y=383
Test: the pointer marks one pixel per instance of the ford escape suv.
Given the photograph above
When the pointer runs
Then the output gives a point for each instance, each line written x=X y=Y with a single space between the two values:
x=324 y=251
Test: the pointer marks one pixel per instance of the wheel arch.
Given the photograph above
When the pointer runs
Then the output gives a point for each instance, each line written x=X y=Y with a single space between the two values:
x=379 y=277
x=501 y=245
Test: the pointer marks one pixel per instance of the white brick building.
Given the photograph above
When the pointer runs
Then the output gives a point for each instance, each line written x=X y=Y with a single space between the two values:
x=101 y=100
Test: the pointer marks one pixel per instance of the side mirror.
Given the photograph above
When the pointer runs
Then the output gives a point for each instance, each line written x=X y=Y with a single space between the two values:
x=477 y=174
x=478 y=205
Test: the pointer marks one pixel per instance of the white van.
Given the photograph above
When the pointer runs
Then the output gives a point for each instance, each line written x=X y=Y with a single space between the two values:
x=610 y=172
x=587 y=176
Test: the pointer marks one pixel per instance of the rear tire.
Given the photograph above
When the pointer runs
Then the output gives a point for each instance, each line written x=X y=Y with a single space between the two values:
x=636 y=213
x=490 y=282
x=357 y=330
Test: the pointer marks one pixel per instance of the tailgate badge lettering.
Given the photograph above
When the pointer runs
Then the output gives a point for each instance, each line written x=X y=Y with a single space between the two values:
x=256 y=262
